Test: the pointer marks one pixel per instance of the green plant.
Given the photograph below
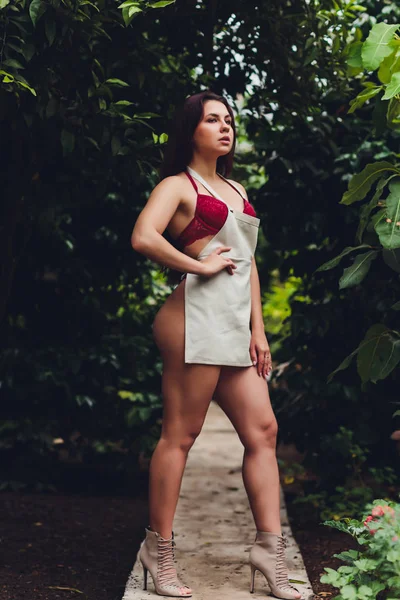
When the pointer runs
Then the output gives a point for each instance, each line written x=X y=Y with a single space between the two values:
x=373 y=571
x=378 y=232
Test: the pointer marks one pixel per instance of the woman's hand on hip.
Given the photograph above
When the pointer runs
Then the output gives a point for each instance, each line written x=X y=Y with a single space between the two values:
x=214 y=262
x=260 y=353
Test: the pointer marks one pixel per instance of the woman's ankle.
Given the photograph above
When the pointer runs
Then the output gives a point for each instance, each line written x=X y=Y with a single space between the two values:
x=165 y=533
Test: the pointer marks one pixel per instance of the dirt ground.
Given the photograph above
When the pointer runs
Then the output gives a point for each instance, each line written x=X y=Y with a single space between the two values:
x=61 y=547
x=74 y=546
x=318 y=543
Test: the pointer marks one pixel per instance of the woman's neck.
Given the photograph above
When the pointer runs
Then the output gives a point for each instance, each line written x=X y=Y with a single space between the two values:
x=206 y=168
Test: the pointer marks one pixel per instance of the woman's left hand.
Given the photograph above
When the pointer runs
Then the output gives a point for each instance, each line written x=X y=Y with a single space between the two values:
x=260 y=353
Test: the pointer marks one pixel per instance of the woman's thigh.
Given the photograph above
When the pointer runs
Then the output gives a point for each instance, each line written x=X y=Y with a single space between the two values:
x=244 y=397
x=187 y=389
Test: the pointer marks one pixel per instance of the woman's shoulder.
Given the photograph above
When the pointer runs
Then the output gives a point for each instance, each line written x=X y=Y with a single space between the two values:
x=239 y=186
x=172 y=183
x=173 y=180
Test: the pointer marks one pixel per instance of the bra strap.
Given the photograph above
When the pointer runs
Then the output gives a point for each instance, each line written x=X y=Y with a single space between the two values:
x=233 y=185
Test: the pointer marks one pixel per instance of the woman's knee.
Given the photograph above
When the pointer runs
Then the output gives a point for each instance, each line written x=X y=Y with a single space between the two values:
x=261 y=435
x=188 y=440
x=184 y=440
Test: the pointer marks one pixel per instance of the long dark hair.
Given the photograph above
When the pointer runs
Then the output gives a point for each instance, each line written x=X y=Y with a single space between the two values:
x=179 y=151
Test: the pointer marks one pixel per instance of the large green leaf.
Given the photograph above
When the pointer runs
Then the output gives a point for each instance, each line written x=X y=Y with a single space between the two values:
x=393 y=110
x=128 y=4
x=118 y=82
x=335 y=261
x=389 y=232
x=363 y=96
x=161 y=3
x=36 y=9
x=354 y=56
x=393 y=88
x=385 y=70
x=368 y=208
x=134 y=9
x=348 y=555
x=3 y=3
x=361 y=183
x=354 y=274
x=378 y=45
x=13 y=63
x=379 y=353
x=349 y=592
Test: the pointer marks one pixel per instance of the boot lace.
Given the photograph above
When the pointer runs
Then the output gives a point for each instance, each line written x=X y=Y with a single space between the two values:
x=282 y=579
x=166 y=571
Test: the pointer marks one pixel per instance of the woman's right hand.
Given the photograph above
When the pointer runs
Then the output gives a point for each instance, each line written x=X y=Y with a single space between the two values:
x=214 y=262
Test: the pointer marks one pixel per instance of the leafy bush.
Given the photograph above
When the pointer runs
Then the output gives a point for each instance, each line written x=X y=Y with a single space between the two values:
x=373 y=571
x=328 y=321
x=378 y=232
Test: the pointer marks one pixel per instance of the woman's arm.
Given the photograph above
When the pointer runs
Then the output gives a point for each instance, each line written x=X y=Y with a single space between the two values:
x=147 y=233
x=259 y=347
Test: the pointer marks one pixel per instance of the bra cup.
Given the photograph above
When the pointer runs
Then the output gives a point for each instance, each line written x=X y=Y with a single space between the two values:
x=210 y=216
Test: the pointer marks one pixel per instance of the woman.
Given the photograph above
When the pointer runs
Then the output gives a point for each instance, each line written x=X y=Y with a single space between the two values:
x=210 y=334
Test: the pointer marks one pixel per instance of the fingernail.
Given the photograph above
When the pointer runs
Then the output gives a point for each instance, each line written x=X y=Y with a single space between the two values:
x=254 y=362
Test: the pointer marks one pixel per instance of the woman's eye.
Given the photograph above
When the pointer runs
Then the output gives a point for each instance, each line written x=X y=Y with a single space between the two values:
x=227 y=122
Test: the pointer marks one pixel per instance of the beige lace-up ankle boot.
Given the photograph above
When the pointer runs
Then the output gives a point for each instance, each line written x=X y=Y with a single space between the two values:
x=268 y=556
x=157 y=555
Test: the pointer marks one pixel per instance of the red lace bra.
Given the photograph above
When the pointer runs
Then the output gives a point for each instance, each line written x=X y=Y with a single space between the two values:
x=210 y=215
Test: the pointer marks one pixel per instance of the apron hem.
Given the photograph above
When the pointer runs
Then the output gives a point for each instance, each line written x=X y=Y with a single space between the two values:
x=219 y=364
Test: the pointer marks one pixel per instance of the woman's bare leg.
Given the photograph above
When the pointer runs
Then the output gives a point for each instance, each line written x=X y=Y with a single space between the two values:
x=187 y=391
x=244 y=397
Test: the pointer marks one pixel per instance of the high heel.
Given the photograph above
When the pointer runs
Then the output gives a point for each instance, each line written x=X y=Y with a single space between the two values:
x=157 y=555
x=268 y=556
x=253 y=573
x=144 y=577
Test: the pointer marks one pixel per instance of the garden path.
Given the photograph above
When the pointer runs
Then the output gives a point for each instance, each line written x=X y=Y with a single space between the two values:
x=213 y=525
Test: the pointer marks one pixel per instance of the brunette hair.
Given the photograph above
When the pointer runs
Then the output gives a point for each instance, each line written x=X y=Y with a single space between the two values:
x=179 y=151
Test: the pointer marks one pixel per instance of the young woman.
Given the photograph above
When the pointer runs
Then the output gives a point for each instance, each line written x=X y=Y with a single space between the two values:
x=210 y=334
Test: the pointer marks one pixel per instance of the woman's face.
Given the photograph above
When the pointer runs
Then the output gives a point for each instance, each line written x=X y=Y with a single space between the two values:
x=215 y=124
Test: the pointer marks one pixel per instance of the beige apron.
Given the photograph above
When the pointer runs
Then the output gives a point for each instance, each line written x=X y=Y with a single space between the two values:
x=218 y=308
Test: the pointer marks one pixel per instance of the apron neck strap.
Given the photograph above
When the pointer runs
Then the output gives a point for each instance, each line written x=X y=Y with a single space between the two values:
x=208 y=187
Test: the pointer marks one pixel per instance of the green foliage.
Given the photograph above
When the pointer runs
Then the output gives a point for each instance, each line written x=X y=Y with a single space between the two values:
x=276 y=307
x=311 y=155
x=76 y=305
x=379 y=353
x=373 y=570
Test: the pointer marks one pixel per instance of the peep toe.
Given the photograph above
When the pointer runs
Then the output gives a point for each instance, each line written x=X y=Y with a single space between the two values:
x=157 y=555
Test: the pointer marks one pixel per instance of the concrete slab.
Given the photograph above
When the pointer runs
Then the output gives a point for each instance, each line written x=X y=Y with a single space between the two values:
x=214 y=528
